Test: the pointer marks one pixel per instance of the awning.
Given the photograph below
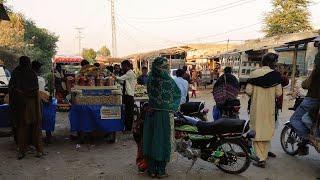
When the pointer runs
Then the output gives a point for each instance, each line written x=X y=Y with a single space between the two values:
x=67 y=59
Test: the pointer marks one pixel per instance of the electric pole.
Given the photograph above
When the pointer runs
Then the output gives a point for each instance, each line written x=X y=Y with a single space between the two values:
x=79 y=37
x=113 y=25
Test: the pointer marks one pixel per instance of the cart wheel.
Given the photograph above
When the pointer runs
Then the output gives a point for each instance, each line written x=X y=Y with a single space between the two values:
x=111 y=138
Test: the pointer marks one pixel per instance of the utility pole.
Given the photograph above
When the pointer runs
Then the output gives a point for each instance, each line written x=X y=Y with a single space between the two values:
x=228 y=44
x=113 y=26
x=79 y=37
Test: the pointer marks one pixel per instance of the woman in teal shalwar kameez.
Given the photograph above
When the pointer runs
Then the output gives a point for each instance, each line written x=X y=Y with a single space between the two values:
x=164 y=100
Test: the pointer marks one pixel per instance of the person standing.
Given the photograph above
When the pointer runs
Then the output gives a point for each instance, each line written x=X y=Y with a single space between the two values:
x=25 y=109
x=129 y=81
x=263 y=87
x=60 y=84
x=143 y=78
x=186 y=76
x=158 y=133
x=183 y=85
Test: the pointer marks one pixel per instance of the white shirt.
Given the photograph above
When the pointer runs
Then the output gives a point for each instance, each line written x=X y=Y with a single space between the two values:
x=131 y=81
x=183 y=86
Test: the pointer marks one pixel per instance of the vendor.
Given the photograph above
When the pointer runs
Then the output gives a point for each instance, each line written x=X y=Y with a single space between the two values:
x=129 y=82
x=59 y=82
x=143 y=78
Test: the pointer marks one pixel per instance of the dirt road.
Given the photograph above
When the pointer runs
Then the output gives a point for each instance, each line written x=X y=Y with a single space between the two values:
x=117 y=161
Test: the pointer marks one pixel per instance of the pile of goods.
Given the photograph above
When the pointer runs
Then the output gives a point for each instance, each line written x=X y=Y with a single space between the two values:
x=141 y=91
x=93 y=76
x=96 y=95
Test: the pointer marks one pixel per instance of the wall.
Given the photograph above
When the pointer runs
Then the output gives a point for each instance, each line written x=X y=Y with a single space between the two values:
x=286 y=57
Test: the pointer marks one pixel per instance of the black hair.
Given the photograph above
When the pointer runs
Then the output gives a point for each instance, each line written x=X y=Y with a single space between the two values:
x=227 y=70
x=96 y=64
x=185 y=68
x=144 y=68
x=269 y=59
x=36 y=66
x=24 y=61
x=180 y=72
x=110 y=68
x=126 y=63
x=84 y=62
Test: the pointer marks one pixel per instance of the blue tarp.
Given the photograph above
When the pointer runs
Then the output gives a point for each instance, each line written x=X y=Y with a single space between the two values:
x=4 y=116
x=48 y=114
x=87 y=118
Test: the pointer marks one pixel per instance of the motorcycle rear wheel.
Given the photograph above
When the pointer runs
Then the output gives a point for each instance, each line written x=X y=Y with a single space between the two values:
x=233 y=152
x=292 y=139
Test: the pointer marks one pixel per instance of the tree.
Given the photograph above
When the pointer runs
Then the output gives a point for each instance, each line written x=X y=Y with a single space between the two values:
x=287 y=16
x=12 y=32
x=41 y=44
x=89 y=54
x=104 y=51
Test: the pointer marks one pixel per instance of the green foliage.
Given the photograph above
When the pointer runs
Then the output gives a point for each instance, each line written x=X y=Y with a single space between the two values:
x=104 y=51
x=22 y=36
x=89 y=54
x=40 y=44
x=287 y=16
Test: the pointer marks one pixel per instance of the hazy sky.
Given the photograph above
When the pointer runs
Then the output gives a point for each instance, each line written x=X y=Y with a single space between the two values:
x=144 y=25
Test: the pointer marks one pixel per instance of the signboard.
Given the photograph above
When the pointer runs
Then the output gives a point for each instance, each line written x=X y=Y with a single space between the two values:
x=110 y=112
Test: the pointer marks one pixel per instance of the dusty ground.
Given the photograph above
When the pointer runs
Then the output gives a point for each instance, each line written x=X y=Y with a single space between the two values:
x=117 y=161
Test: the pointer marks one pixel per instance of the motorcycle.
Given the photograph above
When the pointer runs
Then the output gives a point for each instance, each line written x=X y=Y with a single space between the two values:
x=289 y=138
x=224 y=142
x=194 y=109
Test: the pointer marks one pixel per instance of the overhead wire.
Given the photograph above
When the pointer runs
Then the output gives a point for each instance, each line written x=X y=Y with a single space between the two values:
x=195 y=14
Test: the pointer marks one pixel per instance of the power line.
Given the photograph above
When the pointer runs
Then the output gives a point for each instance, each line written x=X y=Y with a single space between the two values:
x=143 y=31
x=194 y=14
x=222 y=33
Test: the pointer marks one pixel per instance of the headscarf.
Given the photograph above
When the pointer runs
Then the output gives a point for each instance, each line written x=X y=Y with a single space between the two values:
x=163 y=92
x=268 y=80
x=317 y=60
x=24 y=79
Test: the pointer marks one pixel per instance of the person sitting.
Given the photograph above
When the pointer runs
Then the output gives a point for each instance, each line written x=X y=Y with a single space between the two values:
x=143 y=78
x=182 y=84
x=312 y=99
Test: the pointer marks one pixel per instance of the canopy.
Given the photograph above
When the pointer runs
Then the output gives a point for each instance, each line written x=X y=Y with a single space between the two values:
x=67 y=59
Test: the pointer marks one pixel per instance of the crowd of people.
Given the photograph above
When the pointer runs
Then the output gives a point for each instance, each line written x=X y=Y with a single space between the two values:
x=154 y=130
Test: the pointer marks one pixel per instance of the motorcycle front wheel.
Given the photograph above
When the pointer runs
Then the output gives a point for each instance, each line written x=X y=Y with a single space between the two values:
x=235 y=159
x=289 y=141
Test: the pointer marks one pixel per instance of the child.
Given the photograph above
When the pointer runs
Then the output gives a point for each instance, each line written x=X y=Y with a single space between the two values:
x=193 y=87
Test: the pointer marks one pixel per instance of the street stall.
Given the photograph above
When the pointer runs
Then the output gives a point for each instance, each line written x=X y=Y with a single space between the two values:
x=96 y=104
x=70 y=66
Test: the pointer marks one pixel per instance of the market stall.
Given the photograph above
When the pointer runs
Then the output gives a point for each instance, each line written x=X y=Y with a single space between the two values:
x=96 y=103
x=48 y=115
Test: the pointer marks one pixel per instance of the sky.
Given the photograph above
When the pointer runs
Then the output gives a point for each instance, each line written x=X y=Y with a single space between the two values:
x=144 y=25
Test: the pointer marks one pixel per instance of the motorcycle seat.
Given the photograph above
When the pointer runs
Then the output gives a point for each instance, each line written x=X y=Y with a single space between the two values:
x=191 y=107
x=222 y=126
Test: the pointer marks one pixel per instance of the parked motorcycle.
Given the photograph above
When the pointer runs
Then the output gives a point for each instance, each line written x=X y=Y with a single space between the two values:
x=289 y=138
x=224 y=142
x=194 y=109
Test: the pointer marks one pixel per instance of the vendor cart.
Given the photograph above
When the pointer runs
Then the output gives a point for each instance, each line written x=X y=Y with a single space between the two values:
x=97 y=109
